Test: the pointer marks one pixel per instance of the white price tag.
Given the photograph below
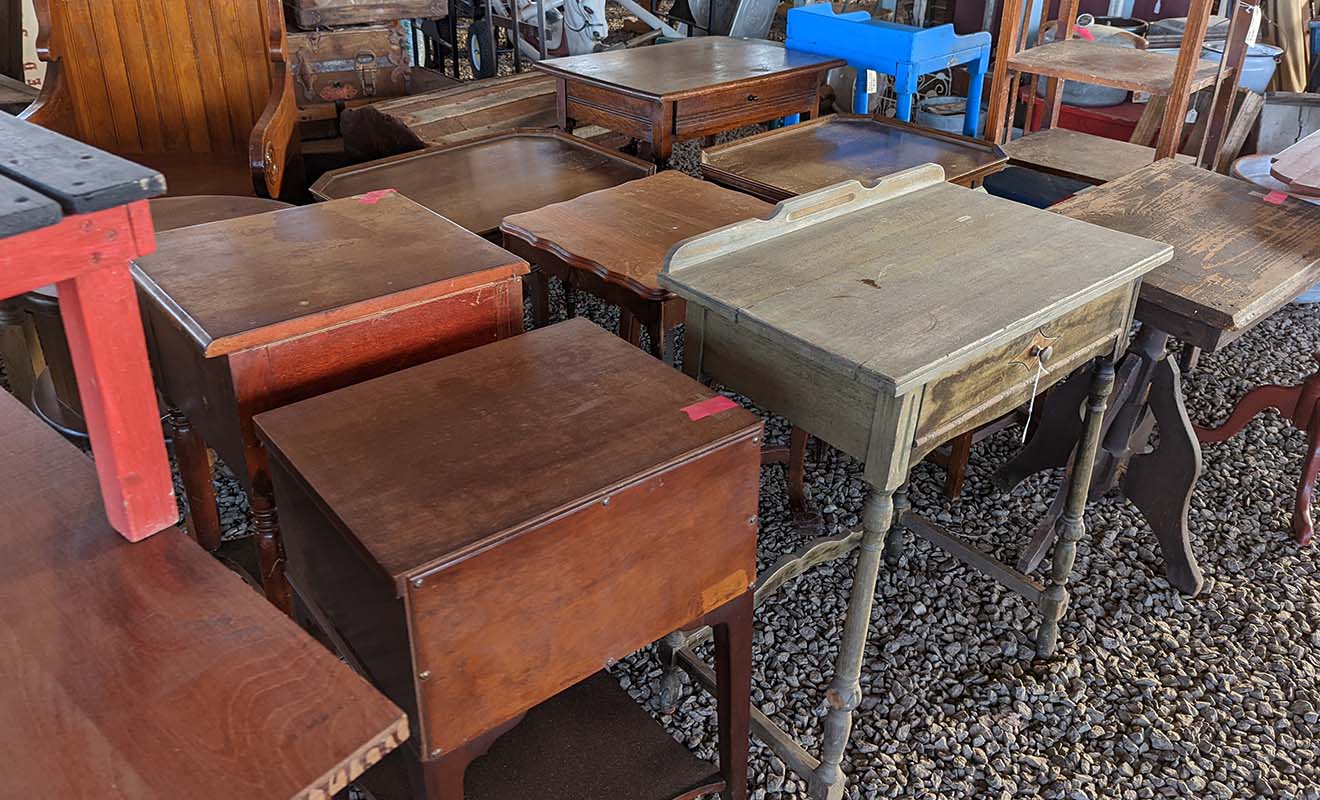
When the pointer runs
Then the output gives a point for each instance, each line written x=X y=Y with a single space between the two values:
x=872 y=82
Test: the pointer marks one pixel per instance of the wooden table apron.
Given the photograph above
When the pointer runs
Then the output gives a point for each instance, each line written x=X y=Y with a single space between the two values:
x=819 y=375
x=220 y=395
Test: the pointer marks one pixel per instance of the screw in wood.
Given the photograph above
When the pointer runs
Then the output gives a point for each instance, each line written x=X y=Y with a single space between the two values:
x=417 y=583
x=605 y=502
x=424 y=675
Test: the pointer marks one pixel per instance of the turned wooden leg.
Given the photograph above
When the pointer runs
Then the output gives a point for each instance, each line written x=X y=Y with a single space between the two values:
x=896 y=540
x=1160 y=483
x=1301 y=522
x=270 y=551
x=844 y=694
x=733 y=692
x=1054 y=602
x=203 y=518
x=955 y=471
x=538 y=289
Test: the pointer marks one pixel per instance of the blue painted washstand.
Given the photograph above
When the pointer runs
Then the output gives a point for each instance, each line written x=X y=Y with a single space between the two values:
x=903 y=51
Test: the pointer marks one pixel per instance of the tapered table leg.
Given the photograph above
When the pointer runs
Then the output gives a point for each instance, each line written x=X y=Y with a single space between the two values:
x=1054 y=602
x=733 y=694
x=845 y=690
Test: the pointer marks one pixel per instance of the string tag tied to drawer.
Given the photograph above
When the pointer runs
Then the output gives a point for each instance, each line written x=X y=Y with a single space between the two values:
x=1031 y=404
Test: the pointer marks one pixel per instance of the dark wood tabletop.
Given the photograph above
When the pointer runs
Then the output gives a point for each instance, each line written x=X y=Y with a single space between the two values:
x=477 y=184
x=252 y=280
x=563 y=451
x=622 y=234
x=686 y=67
x=778 y=164
x=143 y=670
x=1237 y=258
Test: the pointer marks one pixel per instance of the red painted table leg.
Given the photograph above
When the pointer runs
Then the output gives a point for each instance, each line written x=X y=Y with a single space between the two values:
x=1301 y=523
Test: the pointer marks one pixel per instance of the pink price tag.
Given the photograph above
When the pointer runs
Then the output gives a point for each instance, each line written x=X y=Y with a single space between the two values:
x=372 y=198
x=708 y=408
x=1275 y=198
x=1085 y=34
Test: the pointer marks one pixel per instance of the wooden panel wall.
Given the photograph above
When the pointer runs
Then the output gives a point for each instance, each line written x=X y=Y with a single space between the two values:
x=152 y=76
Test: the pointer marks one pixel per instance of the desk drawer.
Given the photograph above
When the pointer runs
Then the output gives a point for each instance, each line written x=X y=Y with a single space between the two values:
x=754 y=102
x=1001 y=380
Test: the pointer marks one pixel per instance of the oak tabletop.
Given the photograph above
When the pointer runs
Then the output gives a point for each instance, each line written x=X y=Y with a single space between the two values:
x=623 y=233
x=1236 y=259
x=822 y=152
x=476 y=184
x=897 y=284
x=426 y=465
x=688 y=66
x=254 y=280
x=143 y=670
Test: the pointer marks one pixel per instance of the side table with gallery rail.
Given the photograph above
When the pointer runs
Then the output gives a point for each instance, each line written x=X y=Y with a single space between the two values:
x=840 y=314
x=251 y=313
x=483 y=534
x=1239 y=256
x=689 y=89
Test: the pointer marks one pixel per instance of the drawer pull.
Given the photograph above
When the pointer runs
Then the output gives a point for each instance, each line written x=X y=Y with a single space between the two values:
x=1038 y=353
x=1043 y=353
x=752 y=98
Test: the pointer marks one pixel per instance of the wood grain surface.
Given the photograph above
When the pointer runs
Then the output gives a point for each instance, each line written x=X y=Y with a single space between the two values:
x=1081 y=156
x=150 y=670
x=1299 y=166
x=479 y=183
x=244 y=282
x=900 y=283
x=687 y=67
x=1236 y=257
x=1117 y=67
x=778 y=164
x=575 y=447
x=622 y=234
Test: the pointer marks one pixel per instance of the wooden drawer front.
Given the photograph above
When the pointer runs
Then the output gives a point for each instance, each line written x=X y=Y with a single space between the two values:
x=514 y=625
x=756 y=102
x=594 y=105
x=1003 y=379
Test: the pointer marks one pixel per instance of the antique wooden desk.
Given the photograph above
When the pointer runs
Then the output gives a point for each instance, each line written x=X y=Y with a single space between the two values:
x=251 y=313
x=73 y=215
x=612 y=244
x=482 y=532
x=841 y=313
x=779 y=164
x=143 y=670
x=1237 y=259
x=54 y=390
x=688 y=89
x=477 y=184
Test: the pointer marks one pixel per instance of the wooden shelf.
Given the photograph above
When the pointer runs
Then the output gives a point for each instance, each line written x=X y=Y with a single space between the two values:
x=1116 y=67
x=1080 y=156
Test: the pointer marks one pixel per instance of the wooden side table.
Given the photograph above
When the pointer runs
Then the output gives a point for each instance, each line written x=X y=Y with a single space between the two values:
x=151 y=664
x=835 y=313
x=252 y=313
x=476 y=184
x=687 y=89
x=483 y=532
x=783 y=163
x=1237 y=260
x=73 y=215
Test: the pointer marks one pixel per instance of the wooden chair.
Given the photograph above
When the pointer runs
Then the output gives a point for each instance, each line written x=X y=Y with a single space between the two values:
x=199 y=91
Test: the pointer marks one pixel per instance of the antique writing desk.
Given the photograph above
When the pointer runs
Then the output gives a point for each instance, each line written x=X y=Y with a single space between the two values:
x=688 y=89
x=142 y=671
x=482 y=532
x=1237 y=259
x=779 y=164
x=73 y=215
x=251 y=313
x=845 y=313
x=477 y=184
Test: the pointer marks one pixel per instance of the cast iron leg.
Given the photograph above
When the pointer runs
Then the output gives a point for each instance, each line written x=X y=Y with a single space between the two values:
x=896 y=540
x=203 y=519
x=733 y=692
x=1054 y=603
x=1160 y=483
x=845 y=691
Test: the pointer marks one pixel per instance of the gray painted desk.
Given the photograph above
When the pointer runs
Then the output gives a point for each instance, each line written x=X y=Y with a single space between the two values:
x=886 y=320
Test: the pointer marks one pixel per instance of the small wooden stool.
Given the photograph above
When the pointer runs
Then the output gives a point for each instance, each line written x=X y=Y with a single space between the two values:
x=483 y=532
x=255 y=312
x=54 y=392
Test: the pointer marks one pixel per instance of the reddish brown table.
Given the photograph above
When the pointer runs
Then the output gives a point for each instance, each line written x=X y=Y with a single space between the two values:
x=252 y=313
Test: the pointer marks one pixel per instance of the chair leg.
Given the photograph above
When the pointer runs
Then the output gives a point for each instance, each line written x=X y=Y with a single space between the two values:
x=955 y=471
